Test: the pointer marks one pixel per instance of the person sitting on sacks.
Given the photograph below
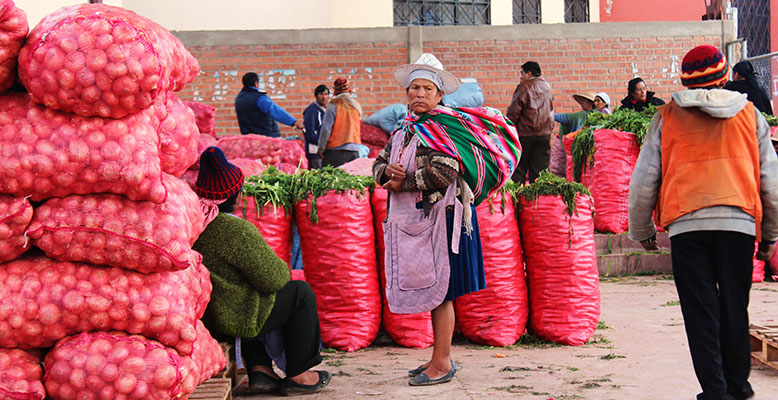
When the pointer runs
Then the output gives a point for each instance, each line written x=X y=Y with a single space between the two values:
x=253 y=300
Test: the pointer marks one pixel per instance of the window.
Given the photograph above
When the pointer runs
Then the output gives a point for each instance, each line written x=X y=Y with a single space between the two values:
x=526 y=11
x=576 y=10
x=441 y=12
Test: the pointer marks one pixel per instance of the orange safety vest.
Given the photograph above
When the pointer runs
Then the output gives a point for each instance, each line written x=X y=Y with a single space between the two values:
x=346 y=126
x=708 y=162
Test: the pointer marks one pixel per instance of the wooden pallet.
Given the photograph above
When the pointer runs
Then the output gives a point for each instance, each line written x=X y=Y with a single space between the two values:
x=230 y=371
x=764 y=344
x=213 y=389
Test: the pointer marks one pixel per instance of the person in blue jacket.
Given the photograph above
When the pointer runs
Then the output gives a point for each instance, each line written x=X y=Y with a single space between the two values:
x=257 y=113
x=312 y=117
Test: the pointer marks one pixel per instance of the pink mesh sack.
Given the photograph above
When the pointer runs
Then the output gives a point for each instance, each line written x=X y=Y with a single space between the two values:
x=107 y=229
x=45 y=300
x=13 y=32
x=21 y=375
x=178 y=137
x=15 y=217
x=204 y=114
x=49 y=153
x=269 y=151
x=100 y=60
x=559 y=249
x=114 y=365
x=340 y=265
x=497 y=315
x=615 y=158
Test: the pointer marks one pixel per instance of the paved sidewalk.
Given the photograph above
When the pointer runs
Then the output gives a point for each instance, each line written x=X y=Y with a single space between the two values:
x=642 y=354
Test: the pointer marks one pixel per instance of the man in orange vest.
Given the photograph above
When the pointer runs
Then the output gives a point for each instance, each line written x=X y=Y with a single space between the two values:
x=708 y=169
x=339 y=137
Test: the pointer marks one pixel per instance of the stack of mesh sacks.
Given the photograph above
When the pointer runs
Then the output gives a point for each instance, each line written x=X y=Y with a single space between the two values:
x=96 y=229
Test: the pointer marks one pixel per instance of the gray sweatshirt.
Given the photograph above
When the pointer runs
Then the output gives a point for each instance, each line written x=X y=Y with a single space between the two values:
x=647 y=176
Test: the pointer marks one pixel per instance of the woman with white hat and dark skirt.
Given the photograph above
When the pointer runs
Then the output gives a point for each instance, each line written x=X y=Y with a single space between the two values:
x=433 y=248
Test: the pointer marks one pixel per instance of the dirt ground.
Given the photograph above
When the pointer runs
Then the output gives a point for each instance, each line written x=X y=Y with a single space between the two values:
x=640 y=352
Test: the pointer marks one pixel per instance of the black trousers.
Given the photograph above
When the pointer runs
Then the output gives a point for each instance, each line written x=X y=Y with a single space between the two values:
x=712 y=272
x=535 y=156
x=336 y=158
x=294 y=313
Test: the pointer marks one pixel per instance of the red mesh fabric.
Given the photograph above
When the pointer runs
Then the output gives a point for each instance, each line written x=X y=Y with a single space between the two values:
x=106 y=229
x=298 y=275
x=13 y=32
x=204 y=114
x=207 y=357
x=15 y=216
x=248 y=166
x=360 y=167
x=340 y=265
x=178 y=138
x=114 y=365
x=48 y=153
x=104 y=61
x=758 y=274
x=617 y=153
x=21 y=375
x=69 y=298
x=559 y=251
x=372 y=135
x=586 y=173
x=269 y=151
x=497 y=315
x=407 y=330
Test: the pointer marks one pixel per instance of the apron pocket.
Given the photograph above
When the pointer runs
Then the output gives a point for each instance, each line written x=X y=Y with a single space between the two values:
x=416 y=267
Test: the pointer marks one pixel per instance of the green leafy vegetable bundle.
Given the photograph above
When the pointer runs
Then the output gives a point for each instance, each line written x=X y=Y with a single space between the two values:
x=549 y=184
x=625 y=120
x=318 y=182
x=272 y=187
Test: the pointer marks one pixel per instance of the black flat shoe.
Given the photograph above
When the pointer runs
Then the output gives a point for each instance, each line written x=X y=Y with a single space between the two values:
x=420 y=369
x=292 y=388
x=423 y=380
x=261 y=383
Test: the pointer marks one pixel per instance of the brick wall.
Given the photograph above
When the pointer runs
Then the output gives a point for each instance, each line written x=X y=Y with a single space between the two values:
x=603 y=58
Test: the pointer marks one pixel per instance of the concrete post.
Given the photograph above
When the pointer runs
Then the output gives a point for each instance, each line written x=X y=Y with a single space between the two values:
x=415 y=43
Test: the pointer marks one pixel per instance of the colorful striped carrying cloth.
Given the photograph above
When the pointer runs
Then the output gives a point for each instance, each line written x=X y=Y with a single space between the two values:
x=483 y=140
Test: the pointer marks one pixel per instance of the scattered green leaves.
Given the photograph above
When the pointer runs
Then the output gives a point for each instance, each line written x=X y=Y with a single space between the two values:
x=672 y=303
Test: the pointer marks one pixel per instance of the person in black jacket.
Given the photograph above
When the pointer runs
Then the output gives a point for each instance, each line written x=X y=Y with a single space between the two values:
x=257 y=113
x=638 y=96
x=744 y=81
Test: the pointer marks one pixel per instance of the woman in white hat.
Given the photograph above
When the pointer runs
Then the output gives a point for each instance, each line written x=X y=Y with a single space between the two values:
x=433 y=248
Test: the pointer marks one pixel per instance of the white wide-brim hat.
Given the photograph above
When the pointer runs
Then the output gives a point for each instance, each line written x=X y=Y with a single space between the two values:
x=427 y=62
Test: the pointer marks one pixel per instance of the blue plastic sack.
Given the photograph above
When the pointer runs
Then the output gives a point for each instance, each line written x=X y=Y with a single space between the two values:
x=469 y=94
x=388 y=117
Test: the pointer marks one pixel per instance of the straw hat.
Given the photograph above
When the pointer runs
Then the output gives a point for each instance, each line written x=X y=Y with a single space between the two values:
x=427 y=62
x=581 y=96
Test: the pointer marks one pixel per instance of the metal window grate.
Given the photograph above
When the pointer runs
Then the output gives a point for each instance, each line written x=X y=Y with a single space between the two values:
x=753 y=23
x=526 y=11
x=576 y=11
x=441 y=12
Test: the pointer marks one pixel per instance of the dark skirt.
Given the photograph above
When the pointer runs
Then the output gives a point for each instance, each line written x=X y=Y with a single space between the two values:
x=467 y=267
